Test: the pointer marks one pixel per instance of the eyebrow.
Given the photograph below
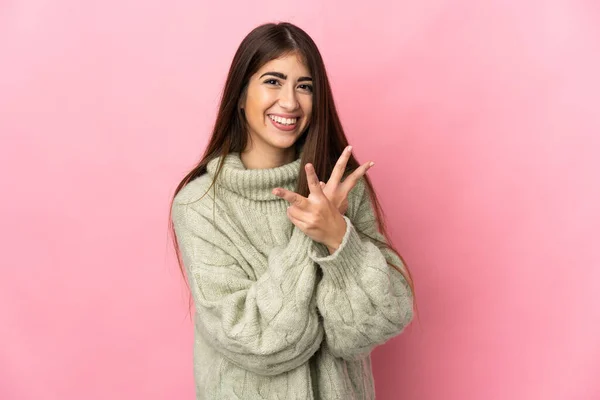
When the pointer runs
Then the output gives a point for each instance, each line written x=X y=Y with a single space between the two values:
x=283 y=76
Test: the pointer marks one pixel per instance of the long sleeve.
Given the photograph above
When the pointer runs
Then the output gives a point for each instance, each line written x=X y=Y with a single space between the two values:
x=363 y=301
x=269 y=325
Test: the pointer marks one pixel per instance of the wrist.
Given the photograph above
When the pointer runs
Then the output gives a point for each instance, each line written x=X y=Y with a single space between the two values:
x=331 y=249
x=337 y=237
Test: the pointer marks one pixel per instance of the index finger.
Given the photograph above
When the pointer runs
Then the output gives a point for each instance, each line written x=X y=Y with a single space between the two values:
x=340 y=165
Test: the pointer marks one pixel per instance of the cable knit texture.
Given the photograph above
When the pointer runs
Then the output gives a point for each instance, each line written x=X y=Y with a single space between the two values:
x=276 y=315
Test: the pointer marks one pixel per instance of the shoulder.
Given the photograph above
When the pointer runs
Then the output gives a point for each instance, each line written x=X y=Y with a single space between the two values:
x=360 y=191
x=361 y=209
x=192 y=213
x=358 y=195
x=201 y=238
x=197 y=195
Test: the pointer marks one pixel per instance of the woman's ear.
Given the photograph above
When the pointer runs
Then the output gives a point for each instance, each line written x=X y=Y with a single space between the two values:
x=242 y=100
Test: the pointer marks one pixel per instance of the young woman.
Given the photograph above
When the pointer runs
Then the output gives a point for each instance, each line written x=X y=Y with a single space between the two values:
x=292 y=279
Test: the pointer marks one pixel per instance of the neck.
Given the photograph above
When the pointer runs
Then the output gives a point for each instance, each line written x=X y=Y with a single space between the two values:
x=257 y=158
x=254 y=187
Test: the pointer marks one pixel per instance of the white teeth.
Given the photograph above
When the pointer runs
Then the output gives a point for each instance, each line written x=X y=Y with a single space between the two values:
x=284 y=121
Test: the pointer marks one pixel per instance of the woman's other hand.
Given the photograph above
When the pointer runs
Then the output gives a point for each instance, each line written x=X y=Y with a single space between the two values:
x=319 y=215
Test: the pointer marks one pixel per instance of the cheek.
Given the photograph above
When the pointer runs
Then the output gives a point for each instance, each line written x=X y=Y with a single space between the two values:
x=308 y=118
x=307 y=109
x=257 y=101
x=264 y=99
x=306 y=103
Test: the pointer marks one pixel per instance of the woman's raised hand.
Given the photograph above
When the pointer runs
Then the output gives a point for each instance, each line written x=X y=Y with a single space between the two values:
x=337 y=191
x=319 y=215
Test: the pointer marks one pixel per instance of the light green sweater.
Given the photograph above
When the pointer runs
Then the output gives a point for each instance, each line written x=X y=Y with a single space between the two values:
x=277 y=316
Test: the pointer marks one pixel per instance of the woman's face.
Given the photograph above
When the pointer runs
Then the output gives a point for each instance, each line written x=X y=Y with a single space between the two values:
x=278 y=103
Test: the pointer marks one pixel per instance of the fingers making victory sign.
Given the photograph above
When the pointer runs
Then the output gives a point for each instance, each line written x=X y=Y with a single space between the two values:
x=337 y=191
x=319 y=215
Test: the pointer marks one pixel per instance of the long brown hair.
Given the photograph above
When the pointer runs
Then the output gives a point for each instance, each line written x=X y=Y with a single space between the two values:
x=324 y=138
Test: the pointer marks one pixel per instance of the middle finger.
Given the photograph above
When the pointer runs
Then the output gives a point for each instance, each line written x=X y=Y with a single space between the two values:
x=353 y=178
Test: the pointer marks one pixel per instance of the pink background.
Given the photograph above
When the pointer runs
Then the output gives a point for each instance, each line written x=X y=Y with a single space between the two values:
x=482 y=116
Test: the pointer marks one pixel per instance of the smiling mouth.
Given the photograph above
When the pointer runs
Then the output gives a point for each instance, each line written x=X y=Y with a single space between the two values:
x=284 y=121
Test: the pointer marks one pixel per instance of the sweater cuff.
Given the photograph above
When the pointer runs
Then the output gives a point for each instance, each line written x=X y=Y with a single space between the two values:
x=343 y=265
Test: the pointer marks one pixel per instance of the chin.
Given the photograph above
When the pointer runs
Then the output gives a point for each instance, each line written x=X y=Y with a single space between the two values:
x=283 y=144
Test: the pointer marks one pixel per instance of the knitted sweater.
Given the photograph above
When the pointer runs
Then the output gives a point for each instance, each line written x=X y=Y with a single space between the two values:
x=276 y=315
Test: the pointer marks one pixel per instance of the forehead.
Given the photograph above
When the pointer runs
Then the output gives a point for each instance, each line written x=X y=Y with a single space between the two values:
x=289 y=64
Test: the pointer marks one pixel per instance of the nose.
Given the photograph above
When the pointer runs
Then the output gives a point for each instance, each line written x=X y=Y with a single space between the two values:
x=287 y=98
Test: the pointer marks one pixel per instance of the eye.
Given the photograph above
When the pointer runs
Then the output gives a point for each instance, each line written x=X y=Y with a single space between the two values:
x=272 y=81
x=308 y=88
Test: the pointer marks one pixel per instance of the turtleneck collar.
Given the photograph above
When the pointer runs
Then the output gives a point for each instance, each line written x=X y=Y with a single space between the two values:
x=254 y=184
